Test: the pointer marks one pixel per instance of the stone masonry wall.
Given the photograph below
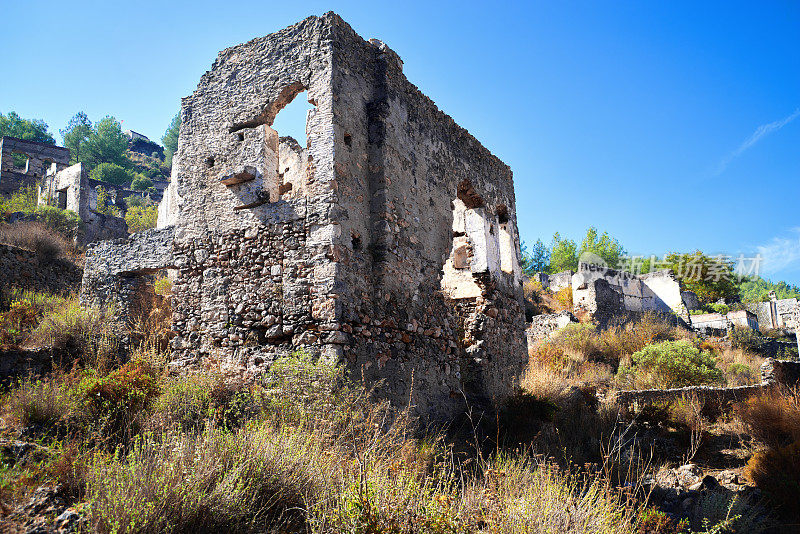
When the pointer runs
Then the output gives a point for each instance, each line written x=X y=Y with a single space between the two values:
x=543 y=326
x=387 y=239
x=429 y=297
x=71 y=189
x=113 y=269
x=657 y=292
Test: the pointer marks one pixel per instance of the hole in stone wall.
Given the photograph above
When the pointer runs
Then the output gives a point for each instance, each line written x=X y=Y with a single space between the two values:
x=150 y=310
x=457 y=279
x=356 y=241
x=291 y=127
x=240 y=135
x=210 y=162
x=20 y=161
x=506 y=249
x=291 y=120
x=62 y=199
x=502 y=214
x=348 y=139
x=468 y=195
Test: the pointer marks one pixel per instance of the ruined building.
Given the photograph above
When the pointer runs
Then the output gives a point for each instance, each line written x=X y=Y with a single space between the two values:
x=386 y=240
x=23 y=163
x=72 y=189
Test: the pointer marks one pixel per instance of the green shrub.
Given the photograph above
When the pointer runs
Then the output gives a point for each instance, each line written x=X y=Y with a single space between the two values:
x=746 y=339
x=720 y=308
x=140 y=183
x=739 y=374
x=103 y=206
x=112 y=173
x=163 y=287
x=111 y=402
x=141 y=218
x=65 y=222
x=672 y=364
x=579 y=337
x=24 y=199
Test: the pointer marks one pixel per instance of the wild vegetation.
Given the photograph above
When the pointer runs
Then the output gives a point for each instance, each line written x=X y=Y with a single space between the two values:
x=134 y=447
x=302 y=449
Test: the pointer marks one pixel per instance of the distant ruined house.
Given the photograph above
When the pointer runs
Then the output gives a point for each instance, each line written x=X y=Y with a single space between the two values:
x=23 y=163
x=386 y=240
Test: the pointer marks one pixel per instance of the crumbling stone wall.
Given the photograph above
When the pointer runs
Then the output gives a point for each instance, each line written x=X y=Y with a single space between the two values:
x=783 y=372
x=39 y=158
x=71 y=189
x=774 y=373
x=543 y=326
x=657 y=291
x=776 y=313
x=713 y=322
x=114 y=268
x=388 y=242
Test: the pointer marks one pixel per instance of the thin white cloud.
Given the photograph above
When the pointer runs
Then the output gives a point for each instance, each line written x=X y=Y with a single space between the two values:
x=755 y=137
x=780 y=254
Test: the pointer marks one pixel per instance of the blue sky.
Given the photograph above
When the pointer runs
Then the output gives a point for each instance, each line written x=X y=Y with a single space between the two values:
x=672 y=125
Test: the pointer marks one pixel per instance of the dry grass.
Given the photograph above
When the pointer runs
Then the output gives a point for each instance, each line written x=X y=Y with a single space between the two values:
x=772 y=418
x=776 y=471
x=214 y=481
x=582 y=355
x=39 y=238
x=741 y=367
x=39 y=401
x=302 y=451
x=546 y=301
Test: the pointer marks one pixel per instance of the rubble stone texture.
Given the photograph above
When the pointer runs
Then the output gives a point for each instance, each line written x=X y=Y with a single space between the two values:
x=386 y=240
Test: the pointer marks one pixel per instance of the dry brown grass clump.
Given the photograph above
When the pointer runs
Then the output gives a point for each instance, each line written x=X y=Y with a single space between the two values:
x=39 y=238
x=741 y=367
x=776 y=471
x=546 y=301
x=772 y=418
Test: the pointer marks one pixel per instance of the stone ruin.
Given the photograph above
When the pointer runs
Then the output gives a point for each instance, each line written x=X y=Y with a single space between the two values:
x=775 y=313
x=72 y=189
x=23 y=163
x=606 y=294
x=29 y=163
x=386 y=240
